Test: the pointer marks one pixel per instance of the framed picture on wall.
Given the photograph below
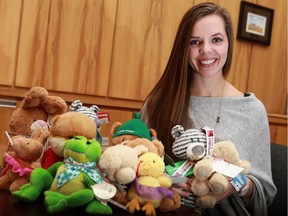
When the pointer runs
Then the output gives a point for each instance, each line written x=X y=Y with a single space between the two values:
x=255 y=23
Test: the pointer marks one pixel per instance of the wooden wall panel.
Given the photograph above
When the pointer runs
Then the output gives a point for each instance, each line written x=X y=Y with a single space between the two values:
x=79 y=46
x=144 y=34
x=32 y=45
x=268 y=65
x=70 y=48
x=10 y=13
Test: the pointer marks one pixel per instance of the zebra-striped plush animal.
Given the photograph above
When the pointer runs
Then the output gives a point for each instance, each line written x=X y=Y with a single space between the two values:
x=91 y=112
x=188 y=144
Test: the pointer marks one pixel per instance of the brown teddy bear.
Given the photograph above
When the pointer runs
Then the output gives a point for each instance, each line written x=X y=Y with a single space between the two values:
x=19 y=162
x=36 y=105
x=32 y=117
x=64 y=127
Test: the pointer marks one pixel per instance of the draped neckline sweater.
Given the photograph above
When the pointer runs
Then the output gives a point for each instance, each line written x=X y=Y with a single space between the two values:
x=244 y=121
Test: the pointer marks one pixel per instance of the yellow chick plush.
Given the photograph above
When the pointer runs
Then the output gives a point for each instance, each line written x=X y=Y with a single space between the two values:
x=150 y=186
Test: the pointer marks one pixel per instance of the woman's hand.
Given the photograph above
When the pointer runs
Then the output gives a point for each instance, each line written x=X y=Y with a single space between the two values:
x=183 y=189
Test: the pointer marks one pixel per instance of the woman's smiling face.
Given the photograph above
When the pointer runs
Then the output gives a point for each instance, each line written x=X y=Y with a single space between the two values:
x=208 y=46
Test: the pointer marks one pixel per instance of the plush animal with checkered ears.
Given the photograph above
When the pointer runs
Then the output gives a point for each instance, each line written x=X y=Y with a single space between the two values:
x=188 y=144
x=91 y=112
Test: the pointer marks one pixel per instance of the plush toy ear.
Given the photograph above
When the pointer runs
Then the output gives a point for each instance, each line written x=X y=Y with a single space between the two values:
x=34 y=97
x=95 y=108
x=140 y=149
x=159 y=145
x=114 y=127
x=54 y=105
x=77 y=104
x=153 y=133
x=176 y=131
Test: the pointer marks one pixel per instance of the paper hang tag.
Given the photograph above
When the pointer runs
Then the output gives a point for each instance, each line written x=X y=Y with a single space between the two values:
x=104 y=190
x=225 y=168
x=103 y=117
x=181 y=168
x=210 y=140
x=238 y=181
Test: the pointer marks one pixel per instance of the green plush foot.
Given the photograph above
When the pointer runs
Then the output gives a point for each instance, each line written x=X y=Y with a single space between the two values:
x=95 y=207
x=27 y=193
x=55 y=202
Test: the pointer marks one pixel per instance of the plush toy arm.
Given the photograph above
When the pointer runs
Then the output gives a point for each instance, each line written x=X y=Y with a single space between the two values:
x=88 y=181
x=164 y=181
x=53 y=169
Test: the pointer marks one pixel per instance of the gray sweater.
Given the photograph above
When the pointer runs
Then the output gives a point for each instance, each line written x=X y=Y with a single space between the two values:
x=243 y=120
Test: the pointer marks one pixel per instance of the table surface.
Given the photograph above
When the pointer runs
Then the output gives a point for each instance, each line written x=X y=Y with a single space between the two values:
x=9 y=206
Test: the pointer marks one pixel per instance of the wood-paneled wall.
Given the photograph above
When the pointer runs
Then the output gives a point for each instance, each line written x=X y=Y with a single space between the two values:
x=112 y=52
x=116 y=50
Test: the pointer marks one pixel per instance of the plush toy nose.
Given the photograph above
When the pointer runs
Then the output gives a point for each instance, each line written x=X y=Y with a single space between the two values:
x=195 y=151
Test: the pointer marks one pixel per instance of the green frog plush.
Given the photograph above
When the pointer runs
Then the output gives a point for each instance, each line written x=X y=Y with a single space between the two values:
x=68 y=184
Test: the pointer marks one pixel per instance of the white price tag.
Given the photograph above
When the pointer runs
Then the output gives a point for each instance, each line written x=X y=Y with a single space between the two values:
x=226 y=169
x=104 y=190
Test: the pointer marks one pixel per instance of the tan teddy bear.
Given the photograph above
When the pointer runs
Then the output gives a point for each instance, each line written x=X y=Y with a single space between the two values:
x=206 y=179
x=19 y=162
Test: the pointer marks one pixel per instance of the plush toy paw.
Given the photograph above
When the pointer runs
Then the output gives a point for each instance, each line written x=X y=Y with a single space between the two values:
x=203 y=169
x=96 y=207
x=133 y=205
x=218 y=183
x=165 y=181
x=168 y=204
x=206 y=201
x=125 y=175
x=27 y=193
x=199 y=188
x=149 y=209
x=55 y=202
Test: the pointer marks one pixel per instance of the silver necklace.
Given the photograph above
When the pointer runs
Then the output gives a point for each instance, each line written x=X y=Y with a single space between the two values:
x=218 y=116
x=220 y=107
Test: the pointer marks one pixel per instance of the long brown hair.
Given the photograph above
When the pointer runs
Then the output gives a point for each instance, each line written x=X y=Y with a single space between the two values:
x=167 y=103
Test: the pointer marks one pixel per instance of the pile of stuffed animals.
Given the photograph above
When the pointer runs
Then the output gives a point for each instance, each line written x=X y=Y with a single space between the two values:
x=56 y=151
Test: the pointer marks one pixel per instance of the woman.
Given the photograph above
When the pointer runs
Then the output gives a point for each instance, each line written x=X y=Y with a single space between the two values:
x=193 y=92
